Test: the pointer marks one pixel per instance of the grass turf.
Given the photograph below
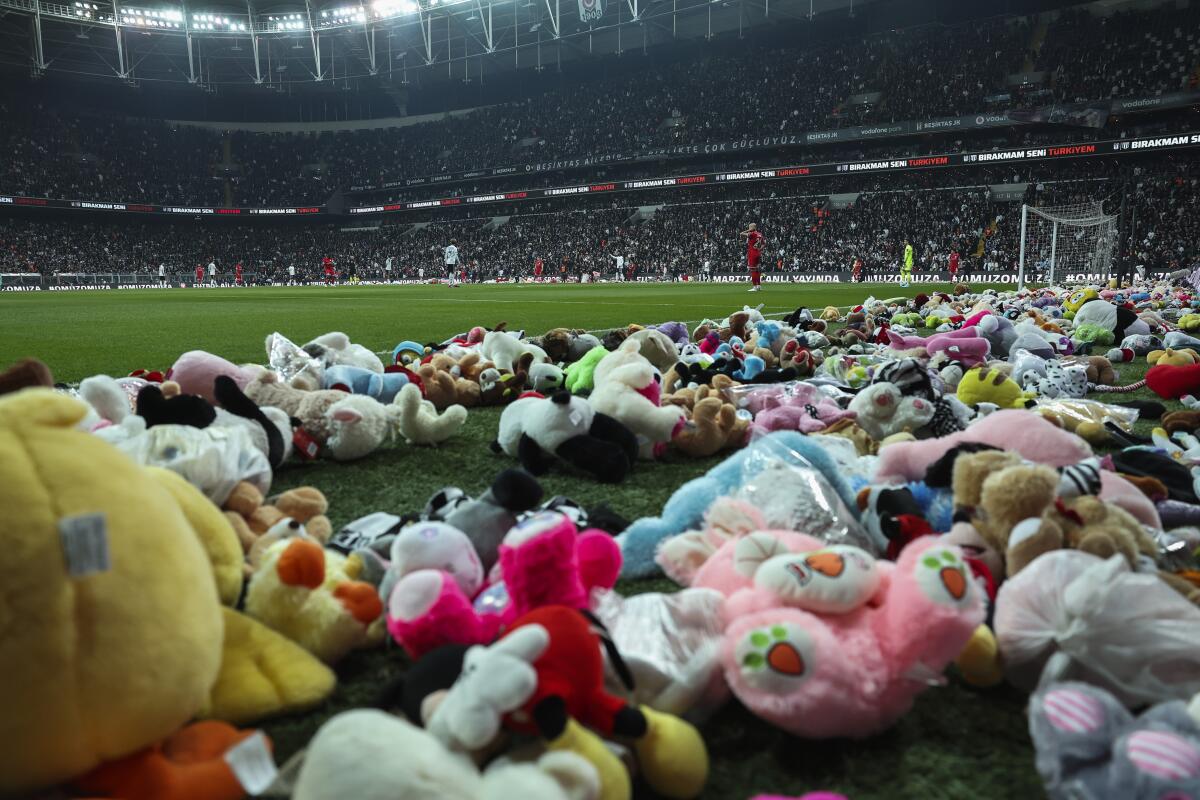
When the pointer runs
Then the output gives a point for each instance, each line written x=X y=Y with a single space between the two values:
x=957 y=742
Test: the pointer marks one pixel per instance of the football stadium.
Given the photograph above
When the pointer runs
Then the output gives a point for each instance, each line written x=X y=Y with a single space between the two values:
x=600 y=399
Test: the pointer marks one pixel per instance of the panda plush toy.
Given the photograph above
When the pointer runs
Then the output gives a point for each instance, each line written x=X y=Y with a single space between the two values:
x=538 y=430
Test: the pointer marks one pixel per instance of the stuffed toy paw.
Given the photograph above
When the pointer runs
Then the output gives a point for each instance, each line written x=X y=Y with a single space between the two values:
x=1089 y=745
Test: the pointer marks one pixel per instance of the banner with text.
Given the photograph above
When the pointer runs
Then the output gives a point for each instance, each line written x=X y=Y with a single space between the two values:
x=1079 y=114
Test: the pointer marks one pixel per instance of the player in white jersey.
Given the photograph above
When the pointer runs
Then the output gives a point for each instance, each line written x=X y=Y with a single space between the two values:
x=451 y=259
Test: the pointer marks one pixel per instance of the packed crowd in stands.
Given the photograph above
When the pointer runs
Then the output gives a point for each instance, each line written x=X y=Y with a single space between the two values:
x=803 y=234
x=917 y=74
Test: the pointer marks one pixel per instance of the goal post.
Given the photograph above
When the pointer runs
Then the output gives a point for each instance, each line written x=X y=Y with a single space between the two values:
x=1076 y=239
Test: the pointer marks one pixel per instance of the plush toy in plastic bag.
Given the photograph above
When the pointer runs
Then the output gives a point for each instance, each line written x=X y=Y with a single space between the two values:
x=798 y=498
x=297 y=367
x=213 y=459
x=671 y=644
x=1074 y=616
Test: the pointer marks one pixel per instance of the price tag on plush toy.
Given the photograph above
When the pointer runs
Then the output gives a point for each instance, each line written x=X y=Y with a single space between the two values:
x=306 y=446
x=252 y=763
x=85 y=544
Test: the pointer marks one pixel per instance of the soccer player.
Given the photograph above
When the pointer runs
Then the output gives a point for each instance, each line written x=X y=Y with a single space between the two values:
x=291 y=274
x=199 y=274
x=162 y=274
x=387 y=269
x=212 y=272
x=907 y=265
x=754 y=248
x=237 y=274
x=327 y=264
x=451 y=258
x=538 y=267
x=856 y=270
x=953 y=265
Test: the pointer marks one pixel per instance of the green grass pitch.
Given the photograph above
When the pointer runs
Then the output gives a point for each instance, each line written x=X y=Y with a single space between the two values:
x=956 y=743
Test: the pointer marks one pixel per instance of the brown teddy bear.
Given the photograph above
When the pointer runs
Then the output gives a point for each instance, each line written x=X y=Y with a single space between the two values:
x=1016 y=509
x=251 y=517
x=715 y=426
x=464 y=379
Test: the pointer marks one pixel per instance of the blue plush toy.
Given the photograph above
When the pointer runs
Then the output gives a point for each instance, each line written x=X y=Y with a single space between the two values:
x=685 y=508
x=751 y=367
x=937 y=505
x=768 y=332
x=356 y=380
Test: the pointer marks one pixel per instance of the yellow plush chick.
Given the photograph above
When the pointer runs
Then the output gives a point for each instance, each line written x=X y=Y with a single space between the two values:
x=311 y=595
x=986 y=385
x=110 y=622
x=1189 y=322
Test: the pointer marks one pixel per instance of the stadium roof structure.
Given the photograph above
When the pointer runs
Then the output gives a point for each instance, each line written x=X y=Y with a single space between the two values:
x=269 y=42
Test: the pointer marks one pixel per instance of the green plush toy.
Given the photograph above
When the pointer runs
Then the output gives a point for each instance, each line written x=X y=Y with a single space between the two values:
x=1189 y=322
x=579 y=374
x=1096 y=334
x=909 y=320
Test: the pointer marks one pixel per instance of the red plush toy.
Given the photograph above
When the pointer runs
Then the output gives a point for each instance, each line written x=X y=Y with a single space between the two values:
x=570 y=686
x=1173 y=382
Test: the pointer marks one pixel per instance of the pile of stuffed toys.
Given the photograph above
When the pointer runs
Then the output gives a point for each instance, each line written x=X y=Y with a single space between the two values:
x=914 y=485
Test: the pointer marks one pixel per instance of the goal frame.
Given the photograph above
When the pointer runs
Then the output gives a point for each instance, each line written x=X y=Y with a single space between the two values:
x=1055 y=219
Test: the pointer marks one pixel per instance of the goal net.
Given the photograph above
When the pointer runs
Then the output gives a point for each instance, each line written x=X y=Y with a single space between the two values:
x=1066 y=243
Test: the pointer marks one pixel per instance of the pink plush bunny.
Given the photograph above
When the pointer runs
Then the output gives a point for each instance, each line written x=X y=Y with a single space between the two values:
x=544 y=560
x=899 y=342
x=968 y=351
x=825 y=641
x=803 y=408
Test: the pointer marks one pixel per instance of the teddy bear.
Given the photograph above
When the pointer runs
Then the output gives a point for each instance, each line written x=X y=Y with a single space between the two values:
x=1099 y=369
x=537 y=430
x=629 y=389
x=252 y=518
x=821 y=640
x=1018 y=510
x=268 y=388
x=313 y=596
x=714 y=426
x=543 y=560
x=882 y=410
x=335 y=348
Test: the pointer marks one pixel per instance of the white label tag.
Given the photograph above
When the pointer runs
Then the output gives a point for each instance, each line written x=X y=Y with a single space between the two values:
x=85 y=544
x=576 y=418
x=252 y=763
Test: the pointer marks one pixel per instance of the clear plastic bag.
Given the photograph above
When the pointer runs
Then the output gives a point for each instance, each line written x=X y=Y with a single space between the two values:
x=671 y=644
x=1072 y=616
x=1077 y=410
x=793 y=495
x=759 y=397
x=213 y=459
x=289 y=360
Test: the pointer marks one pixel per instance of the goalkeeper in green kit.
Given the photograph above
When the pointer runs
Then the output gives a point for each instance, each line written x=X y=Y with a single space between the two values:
x=907 y=265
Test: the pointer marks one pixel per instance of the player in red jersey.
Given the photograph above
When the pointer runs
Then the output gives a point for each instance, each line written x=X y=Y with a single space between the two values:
x=754 y=249
x=327 y=263
x=237 y=274
x=199 y=274
x=538 y=266
x=953 y=265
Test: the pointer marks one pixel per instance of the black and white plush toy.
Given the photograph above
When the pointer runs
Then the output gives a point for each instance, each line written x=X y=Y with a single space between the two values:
x=535 y=430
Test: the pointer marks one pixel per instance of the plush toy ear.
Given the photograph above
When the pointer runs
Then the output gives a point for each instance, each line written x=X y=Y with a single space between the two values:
x=348 y=416
x=526 y=643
